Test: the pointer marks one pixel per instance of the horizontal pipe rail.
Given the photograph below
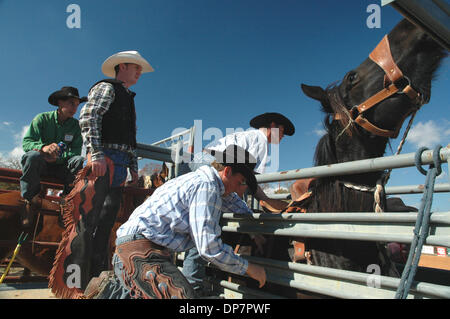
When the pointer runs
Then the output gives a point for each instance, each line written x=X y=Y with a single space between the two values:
x=383 y=227
x=416 y=189
x=242 y=291
x=154 y=152
x=342 y=283
x=173 y=137
x=355 y=167
x=334 y=282
x=390 y=190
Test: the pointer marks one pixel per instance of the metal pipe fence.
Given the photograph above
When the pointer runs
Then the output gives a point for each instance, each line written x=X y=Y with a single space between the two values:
x=382 y=227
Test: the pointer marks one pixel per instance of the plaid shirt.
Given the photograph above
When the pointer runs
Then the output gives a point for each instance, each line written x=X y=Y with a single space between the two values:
x=99 y=100
x=185 y=212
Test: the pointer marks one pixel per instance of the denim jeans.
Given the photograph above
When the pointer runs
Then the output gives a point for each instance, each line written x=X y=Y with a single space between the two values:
x=34 y=166
x=116 y=289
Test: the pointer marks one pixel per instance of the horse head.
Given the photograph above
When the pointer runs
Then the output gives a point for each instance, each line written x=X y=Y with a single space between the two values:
x=372 y=101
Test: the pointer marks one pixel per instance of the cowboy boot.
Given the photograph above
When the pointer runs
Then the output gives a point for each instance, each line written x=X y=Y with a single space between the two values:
x=26 y=214
x=97 y=284
x=28 y=211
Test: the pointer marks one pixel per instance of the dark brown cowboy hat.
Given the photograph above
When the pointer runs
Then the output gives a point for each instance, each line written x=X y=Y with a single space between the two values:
x=265 y=119
x=66 y=92
x=241 y=161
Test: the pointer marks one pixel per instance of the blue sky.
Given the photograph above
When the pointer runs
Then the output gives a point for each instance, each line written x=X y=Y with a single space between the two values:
x=219 y=61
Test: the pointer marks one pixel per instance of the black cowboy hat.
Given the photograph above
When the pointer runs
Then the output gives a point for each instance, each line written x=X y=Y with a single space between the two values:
x=264 y=120
x=66 y=92
x=241 y=161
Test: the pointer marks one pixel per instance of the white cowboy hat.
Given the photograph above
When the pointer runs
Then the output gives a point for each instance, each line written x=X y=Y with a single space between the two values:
x=124 y=57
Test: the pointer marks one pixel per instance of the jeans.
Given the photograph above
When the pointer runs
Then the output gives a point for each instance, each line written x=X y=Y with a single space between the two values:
x=34 y=166
x=194 y=266
x=116 y=288
x=194 y=269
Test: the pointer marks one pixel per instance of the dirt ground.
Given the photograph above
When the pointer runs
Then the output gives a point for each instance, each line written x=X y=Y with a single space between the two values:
x=30 y=290
x=20 y=291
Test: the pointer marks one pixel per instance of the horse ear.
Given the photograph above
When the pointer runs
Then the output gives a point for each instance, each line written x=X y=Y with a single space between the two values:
x=317 y=93
x=314 y=92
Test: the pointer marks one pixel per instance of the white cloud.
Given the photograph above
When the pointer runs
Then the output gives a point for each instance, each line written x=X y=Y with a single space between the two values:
x=271 y=190
x=16 y=141
x=319 y=130
x=428 y=134
x=17 y=152
x=7 y=123
x=19 y=136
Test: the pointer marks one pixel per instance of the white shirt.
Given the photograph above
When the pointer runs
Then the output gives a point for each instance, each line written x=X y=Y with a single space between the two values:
x=254 y=141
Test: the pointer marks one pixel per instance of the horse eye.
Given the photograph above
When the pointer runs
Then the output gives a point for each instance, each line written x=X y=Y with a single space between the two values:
x=352 y=76
x=352 y=79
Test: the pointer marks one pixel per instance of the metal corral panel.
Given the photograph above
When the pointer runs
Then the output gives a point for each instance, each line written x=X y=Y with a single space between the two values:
x=384 y=227
x=432 y=16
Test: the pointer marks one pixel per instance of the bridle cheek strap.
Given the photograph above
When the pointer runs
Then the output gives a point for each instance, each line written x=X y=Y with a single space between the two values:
x=382 y=56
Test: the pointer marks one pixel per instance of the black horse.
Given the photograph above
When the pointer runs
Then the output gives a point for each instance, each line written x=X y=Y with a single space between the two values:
x=366 y=109
x=363 y=111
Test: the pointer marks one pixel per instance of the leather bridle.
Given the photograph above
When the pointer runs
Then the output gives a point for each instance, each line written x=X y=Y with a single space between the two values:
x=394 y=83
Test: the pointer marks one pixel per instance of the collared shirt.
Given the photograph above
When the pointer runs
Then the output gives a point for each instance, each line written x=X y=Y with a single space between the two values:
x=99 y=100
x=185 y=212
x=45 y=130
x=254 y=141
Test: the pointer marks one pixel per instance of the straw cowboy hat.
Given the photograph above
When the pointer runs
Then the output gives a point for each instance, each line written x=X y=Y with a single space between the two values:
x=66 y=92
x=241 y=161
x=125 y=57
x=264 y=120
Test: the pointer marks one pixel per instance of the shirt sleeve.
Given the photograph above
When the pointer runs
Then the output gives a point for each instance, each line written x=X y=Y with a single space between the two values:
x=204 y=216
x=259 y=149
x=32 y=139
x=99 y=100
x=232 y=203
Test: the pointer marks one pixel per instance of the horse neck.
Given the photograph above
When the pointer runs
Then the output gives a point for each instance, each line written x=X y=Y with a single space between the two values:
x=331 y=194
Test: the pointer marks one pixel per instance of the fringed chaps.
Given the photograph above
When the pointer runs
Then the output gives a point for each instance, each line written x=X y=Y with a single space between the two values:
x=149 y=273
x=71 y=269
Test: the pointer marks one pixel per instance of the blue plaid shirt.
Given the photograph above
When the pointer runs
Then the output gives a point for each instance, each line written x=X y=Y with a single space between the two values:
x=185 y=212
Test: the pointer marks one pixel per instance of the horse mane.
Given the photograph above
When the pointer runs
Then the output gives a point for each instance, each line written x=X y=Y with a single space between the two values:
x=330 y=194
x=334 y=108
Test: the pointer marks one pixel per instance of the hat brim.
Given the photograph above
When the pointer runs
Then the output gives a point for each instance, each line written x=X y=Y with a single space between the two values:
x=111 y=62
x=264 y=120
x=58 y=95
x=248 y=174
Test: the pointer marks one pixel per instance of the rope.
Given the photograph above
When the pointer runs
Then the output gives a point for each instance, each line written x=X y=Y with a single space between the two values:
x=379 y=188
x=421 y=228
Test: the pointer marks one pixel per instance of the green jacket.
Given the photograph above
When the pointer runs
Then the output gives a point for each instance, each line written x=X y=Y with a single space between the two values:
x=45 y=130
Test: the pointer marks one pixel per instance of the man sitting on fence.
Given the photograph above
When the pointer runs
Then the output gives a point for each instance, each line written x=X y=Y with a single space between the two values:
x=52 y=146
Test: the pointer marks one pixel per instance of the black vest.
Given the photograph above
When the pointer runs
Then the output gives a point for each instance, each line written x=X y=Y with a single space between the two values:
x=119 y=122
